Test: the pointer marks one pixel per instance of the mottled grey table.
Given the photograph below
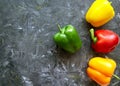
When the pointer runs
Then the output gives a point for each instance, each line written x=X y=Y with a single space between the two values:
x=28 y=54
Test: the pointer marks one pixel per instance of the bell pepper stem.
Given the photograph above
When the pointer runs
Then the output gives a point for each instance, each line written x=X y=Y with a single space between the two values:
x=94 y=39
x=59 y=28
x=116 y=76
x=110 y=2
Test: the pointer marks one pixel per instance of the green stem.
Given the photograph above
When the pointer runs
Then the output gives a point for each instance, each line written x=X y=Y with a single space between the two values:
x=94 y=39
x=110 y=2
x=116 y=76
x=59 y=28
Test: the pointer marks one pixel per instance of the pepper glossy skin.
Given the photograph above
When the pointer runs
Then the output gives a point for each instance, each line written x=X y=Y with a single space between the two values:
x=104 y=41
x=68 y=39
x=100 y=12
x=101 y=70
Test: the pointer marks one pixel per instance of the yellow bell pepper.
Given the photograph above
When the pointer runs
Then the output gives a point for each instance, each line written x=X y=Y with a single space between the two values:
x=100 y=12
x=101 y=70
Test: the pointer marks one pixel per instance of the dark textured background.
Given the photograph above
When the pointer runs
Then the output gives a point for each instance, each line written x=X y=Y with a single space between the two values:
x=28 y=54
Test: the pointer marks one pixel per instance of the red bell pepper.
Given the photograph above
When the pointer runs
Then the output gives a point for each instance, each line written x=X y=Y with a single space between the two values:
x=104 y=41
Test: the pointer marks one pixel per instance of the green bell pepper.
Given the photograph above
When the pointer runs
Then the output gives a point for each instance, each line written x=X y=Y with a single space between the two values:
x=68 y=39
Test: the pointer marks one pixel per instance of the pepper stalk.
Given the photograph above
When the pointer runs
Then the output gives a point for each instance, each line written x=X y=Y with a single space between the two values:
x=117 y=77
x=94 y=39
x=59 y=28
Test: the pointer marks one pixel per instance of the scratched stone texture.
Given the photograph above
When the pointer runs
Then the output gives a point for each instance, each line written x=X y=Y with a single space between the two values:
x=28 y=54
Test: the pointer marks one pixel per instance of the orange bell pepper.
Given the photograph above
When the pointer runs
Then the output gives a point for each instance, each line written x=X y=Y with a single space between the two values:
x=101 y=70
x=100 y=12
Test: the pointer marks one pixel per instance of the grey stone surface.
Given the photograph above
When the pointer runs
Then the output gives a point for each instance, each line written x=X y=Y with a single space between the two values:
x=28 y=54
